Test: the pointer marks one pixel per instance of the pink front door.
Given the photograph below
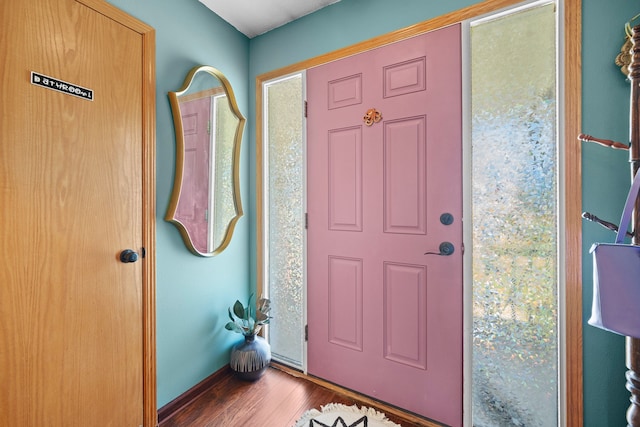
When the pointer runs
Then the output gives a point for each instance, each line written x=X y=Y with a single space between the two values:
x=384 y=318
x=193 y=207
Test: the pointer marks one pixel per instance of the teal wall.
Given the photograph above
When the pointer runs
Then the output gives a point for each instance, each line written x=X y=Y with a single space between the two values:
x=606 y=179
x=193 y=293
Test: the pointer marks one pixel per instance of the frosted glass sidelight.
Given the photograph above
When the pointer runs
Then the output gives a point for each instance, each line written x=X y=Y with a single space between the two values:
x=515 y=211
x=284 y=179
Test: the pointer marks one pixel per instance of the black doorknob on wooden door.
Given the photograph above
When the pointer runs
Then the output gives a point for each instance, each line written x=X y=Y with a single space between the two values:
x=128 y=255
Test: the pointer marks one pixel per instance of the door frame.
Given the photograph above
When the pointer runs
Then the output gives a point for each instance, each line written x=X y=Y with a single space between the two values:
x=147 y=33
x=571 y=381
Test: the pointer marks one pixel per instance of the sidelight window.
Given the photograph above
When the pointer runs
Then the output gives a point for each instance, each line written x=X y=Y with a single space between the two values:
x=515 y=211
x=283 y=217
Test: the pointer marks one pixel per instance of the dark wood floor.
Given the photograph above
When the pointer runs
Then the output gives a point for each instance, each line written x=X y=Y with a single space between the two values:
x=277 y=399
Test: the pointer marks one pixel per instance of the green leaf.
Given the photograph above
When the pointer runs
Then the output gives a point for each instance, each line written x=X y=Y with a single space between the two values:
x=249 y=307
x=233 y=327
x=238 y=309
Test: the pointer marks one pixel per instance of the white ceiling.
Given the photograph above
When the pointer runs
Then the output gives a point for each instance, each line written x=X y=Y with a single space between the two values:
x=255 y=17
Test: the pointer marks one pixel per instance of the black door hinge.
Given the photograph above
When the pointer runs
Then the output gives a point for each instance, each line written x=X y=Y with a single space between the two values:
x=306 y=332
x=305 y=108
x=306 y=220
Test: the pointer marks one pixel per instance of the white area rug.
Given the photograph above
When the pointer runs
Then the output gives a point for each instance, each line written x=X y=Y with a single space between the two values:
x=338 y=415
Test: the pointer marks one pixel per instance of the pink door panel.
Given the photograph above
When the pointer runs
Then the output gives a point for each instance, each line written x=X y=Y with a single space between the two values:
x=384 y=318
x=345 y=179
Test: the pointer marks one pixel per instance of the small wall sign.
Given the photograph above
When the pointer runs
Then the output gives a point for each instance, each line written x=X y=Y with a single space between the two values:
x=61 y=86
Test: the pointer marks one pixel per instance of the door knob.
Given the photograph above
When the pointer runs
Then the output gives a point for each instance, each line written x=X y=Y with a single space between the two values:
x=128 y=256
x=446 y=249
x=446 y=218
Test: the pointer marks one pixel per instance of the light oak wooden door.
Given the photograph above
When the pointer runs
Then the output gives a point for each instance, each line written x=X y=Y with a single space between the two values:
x=385 y=318
x=76 y=189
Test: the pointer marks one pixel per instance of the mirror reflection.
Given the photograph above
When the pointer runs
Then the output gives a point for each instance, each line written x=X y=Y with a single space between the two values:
x=205 y=204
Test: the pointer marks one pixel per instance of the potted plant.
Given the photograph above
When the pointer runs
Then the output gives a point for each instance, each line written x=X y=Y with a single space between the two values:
x=250 y=358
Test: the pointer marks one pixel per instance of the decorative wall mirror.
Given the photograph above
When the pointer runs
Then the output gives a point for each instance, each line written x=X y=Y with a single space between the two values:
x=205 y=204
